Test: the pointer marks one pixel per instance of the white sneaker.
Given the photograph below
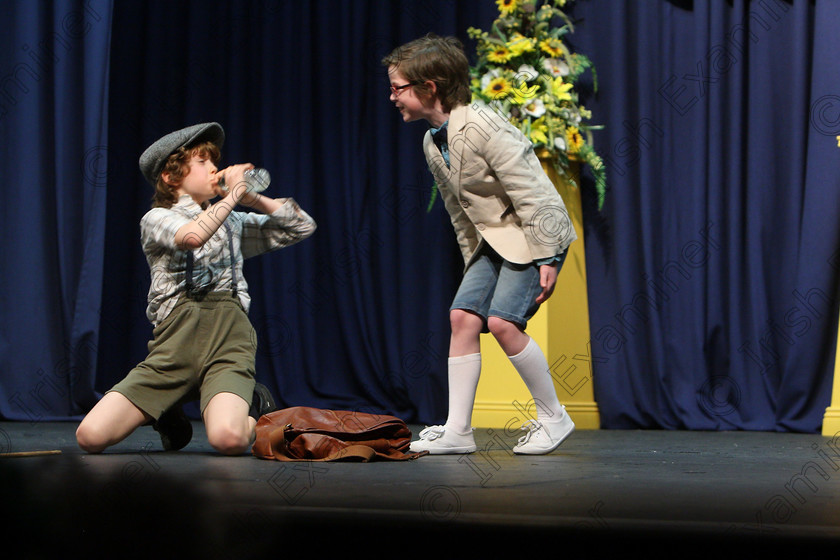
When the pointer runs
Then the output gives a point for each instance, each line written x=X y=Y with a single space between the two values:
x=544 y=437
x=437 y=440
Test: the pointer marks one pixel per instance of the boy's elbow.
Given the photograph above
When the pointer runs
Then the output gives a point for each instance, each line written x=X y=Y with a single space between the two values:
x=305 y=230
x=312 y=227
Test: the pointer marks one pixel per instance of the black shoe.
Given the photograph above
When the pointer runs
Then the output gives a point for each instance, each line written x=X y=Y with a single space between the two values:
x=262 y=403
x=175 y=429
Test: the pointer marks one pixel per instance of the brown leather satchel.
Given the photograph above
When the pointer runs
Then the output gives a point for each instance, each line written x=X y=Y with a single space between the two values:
x=311 y=434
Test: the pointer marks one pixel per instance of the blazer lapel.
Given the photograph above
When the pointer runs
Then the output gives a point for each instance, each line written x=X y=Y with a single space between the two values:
x=449 y=177
x=457 y=121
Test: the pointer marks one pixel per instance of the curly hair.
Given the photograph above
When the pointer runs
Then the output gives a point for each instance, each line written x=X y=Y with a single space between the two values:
x=177 y=166
x=437 y=59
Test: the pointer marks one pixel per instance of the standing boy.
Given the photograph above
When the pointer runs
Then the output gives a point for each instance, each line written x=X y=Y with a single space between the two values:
x=499 y=200
x=203 y=344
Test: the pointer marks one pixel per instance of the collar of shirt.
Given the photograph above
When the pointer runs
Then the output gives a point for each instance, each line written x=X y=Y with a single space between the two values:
x=186 y=202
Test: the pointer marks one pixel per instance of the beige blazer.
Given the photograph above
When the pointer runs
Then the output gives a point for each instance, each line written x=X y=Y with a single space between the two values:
x=495 y=189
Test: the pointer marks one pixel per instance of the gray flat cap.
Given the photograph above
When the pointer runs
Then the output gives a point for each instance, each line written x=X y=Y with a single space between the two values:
x=152 y=160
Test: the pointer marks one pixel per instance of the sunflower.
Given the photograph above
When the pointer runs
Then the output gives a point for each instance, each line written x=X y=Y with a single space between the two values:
x=552 y=47
x=574 y=139
x=498 y=88
x=507 y=7
x=499 y=53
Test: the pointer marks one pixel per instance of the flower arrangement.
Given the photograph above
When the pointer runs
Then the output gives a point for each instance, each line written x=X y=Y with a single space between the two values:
x=526 y=72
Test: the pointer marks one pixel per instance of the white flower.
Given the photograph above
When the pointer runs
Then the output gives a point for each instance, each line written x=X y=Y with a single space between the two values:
x=556 y=67
x=535 y=108
x=527 y=73
x=560 y=143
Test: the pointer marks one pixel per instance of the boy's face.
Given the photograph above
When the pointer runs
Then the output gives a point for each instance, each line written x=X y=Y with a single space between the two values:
x=200 y=181
x=411 y=106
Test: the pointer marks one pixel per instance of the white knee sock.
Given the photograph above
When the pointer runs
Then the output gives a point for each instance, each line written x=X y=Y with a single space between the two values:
x=533 y=368
x=464 y=372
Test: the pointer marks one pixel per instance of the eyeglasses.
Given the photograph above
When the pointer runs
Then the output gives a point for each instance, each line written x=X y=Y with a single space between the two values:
x=397 y=89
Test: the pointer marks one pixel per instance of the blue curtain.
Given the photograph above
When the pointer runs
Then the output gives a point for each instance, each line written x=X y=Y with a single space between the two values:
x=713 y=269
x=712 y=266
x=54 y=139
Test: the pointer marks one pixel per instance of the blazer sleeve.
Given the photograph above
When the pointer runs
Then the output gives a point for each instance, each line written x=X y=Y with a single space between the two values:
x=545 y=221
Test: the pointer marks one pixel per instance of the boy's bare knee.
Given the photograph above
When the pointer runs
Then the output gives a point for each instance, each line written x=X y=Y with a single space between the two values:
x=499 y=327
x=229 y=441
x=461 y=321
x=508 y=334
x=90 y=439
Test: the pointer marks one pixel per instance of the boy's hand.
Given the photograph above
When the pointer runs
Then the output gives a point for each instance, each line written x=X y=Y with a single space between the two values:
x=548 y=278
x=235 y=185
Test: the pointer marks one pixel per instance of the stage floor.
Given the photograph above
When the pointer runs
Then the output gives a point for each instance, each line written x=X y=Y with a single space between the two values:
x=687 y=494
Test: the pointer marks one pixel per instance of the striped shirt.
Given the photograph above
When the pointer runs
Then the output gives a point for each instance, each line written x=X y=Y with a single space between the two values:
x=253 y=234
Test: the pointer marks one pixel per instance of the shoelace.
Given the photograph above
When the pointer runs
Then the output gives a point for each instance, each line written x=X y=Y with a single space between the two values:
x=432 y=433
x=533 y=427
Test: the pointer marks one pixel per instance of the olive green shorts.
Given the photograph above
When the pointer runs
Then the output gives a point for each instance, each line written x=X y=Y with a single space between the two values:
x=205 y=346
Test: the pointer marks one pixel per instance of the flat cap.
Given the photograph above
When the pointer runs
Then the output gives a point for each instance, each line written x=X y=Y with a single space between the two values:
x=153 y=159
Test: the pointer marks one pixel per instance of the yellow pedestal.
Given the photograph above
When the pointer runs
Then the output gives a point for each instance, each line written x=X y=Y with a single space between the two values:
x=831 y=419
x=561 y=328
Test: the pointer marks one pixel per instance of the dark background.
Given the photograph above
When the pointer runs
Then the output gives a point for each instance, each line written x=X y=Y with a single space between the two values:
x=712 y=266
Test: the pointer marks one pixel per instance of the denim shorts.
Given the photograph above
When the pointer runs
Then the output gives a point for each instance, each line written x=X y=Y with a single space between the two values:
x=495 y=287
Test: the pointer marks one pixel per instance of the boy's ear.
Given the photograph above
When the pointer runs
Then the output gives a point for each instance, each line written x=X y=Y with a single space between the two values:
x=430 y=95
x=166 y=176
